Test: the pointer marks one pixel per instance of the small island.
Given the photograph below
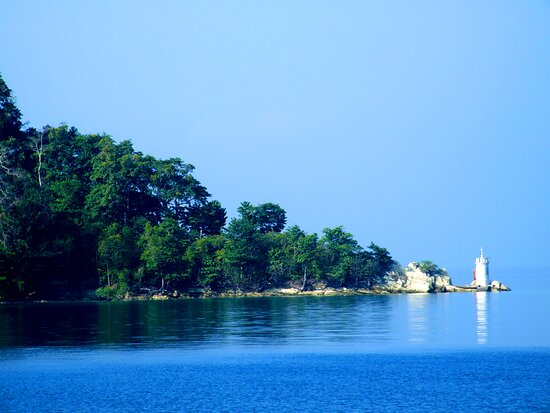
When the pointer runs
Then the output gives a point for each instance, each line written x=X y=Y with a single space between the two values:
x=83 y=216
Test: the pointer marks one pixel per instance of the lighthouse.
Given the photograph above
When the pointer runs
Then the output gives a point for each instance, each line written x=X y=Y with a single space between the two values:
x=481 y=274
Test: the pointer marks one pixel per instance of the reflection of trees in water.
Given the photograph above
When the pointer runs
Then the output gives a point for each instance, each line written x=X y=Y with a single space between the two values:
x=48 y=324
x=265 y=320
x=309 y=319
x=255 y=321
x=151 y=322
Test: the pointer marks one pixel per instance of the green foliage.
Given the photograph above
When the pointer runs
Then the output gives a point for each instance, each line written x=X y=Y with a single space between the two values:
x=296 y=257
x=10 y=116
x=430 y=268
x=266 y=217
x=205 y=259
x=207 y=218
x=338 y=249
x=68 y=159
x=82 y=211
x=163 y=247
x=116 y=252
x=113 y=291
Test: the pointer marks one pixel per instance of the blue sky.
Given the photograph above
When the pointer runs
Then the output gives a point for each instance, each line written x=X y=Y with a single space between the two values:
x=422 y=126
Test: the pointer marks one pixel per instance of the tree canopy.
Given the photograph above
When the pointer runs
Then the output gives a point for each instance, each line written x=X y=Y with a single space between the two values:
x=83 y=212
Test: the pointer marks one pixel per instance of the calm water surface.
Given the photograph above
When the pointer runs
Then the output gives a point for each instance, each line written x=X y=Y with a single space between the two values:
x=421 y=352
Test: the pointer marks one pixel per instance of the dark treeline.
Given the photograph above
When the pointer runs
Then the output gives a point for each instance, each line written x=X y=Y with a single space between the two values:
x=81 y=212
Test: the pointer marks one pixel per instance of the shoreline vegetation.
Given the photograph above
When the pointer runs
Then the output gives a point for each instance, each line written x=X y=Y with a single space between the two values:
x=416 y=278
x=198 y=293
x=284 y=292
x=410 y=280
x=81 y=212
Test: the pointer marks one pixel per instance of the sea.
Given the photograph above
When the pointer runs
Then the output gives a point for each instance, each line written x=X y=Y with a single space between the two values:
x=461 y=352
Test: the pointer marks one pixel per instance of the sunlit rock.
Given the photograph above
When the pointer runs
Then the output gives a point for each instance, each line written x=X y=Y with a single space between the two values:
x=159 y=297
x=423 y=282
x=498 y=286
x=413 y=279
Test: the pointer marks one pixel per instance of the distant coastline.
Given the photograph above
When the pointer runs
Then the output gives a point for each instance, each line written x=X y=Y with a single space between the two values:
x=409 y=280
x=290 y=292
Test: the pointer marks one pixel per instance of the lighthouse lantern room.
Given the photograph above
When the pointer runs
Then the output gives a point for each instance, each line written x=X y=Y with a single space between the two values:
x=481 y=273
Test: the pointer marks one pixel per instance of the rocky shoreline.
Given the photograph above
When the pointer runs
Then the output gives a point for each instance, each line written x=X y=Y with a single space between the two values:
x=295 y=292
x=414 y=280
x=409 y=280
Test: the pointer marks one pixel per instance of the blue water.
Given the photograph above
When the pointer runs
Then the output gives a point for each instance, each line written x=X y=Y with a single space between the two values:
x=186 y=381
x=463 y=352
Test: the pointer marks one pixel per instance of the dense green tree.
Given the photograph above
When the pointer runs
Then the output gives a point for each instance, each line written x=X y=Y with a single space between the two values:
x=25 y=236
x=68 y=165
x=304 y=255
x=114 y=260
x=338 y=249
x=14 y=179
x=15 y=148
x=117 y=254
x=10 y=115
x=279 y=260
x=177 y=190
x=245 y=257
x=205 y=258
x=24 y=213
x=384 y=261
x=163 y=248
x=250 y=242
x=270 y=217
x=293 y=256
x=119 y=177
x=206 y=218
x=267 y=217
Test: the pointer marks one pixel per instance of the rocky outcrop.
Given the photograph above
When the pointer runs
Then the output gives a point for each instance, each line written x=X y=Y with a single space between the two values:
x=494 y=286
x=498 y=286
x=413 y=280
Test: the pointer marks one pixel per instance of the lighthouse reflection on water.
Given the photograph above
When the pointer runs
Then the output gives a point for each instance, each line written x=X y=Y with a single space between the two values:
x=481 y=317
x=422 y=322
x=481 y=279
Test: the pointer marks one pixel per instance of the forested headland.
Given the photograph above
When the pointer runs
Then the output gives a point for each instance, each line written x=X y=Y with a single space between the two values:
x=81 y=212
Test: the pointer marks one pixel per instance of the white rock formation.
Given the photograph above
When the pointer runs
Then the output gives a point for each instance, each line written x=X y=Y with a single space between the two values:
x=419 y=281
x=414 y=280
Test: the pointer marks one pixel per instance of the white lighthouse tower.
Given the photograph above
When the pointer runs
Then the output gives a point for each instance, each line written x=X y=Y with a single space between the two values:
x=481 y=274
